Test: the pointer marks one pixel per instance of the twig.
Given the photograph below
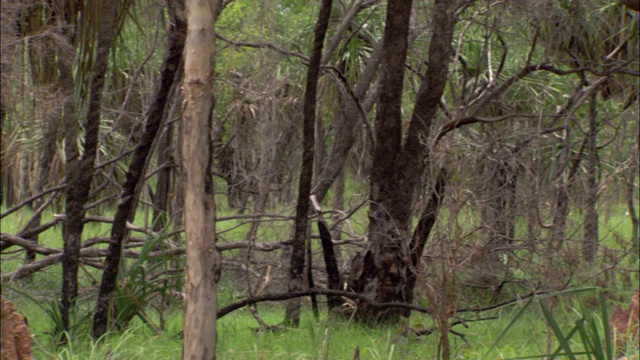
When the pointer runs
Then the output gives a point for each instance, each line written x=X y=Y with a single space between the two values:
x=318 y=291
x=31 y=199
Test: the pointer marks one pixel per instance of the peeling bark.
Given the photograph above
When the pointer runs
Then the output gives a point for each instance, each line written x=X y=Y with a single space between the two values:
x=79 y=172
x=590 y=236
x=384 y=269
x=203 y=259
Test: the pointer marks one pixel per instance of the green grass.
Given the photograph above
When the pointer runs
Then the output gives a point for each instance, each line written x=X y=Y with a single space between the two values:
x=334 y=338
x=329 y=338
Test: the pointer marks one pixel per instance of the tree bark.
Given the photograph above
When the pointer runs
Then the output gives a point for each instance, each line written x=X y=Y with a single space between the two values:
x=334 y=279
x=203 y=260
x=125 y=212
x=346 y=129
x=79 y=172
x=384 y=269
x=161 y=196
x=292 y=316
x=590 y=235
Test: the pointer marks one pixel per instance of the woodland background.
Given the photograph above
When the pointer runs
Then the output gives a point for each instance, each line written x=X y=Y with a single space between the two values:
x=463 y=155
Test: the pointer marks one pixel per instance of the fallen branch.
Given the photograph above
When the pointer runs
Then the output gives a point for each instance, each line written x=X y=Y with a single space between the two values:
x=30 y=199
x=318 y=291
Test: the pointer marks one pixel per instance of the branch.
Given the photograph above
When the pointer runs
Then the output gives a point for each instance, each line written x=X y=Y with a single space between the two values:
x=31 y=268
x=261 y=46
x=458 y=123
x=31 y=199
x=317 y=291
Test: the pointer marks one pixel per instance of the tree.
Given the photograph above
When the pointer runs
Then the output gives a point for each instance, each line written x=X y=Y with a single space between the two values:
x=203 y=259
x=125 y=212
x=306 y=173
x=385 y=271
x=79 y=171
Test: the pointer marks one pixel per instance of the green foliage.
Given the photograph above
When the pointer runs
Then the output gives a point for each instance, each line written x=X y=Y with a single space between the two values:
x=144 y=280
x=589 y=334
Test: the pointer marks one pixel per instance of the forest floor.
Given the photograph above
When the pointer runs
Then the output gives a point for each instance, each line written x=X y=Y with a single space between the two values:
x=510 y=332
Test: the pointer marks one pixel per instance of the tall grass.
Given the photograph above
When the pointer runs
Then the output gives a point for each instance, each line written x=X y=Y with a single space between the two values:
x=329 y=338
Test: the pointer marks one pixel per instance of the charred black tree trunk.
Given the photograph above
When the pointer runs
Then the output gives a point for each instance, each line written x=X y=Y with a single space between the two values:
x=632 y=199
x=292 y=316
x=384 y=271
x=125 y=211
x=334 y=279
x=79 y=172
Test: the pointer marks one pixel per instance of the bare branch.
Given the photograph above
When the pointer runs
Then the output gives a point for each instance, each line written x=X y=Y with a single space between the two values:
x=318 y=291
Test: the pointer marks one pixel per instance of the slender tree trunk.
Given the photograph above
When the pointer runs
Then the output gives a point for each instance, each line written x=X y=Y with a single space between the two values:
x=203 y=260
x=161 y=196
x=338 y=204
x=47 y=155
x=346 y=129
x=296 y=270
x=126 y=209
x=590 y=236
x=561 y=207
x=80 y=171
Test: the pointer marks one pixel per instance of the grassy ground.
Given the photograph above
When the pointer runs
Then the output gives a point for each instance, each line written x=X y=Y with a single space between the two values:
x=327 y=338
x=334 y=338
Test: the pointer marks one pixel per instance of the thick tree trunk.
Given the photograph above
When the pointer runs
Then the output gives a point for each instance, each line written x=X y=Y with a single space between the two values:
x=384 y=268
x=79 y=172
x=292 y=316
x=590 y=235
x=44 y=166
x=561 y=207
x=203 y=260
x=126 y=209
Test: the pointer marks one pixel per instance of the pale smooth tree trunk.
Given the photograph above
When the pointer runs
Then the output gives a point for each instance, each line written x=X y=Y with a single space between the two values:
x=203 y=260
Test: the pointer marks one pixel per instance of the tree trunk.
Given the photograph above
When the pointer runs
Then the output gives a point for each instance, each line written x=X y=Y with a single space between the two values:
x=161 y=196
x=384 y=269
x=292 y=316
x=79 y=172
x=203 y=260
x=346 y=129
x=561 y=207
x=590 y=235
x=126 y=209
